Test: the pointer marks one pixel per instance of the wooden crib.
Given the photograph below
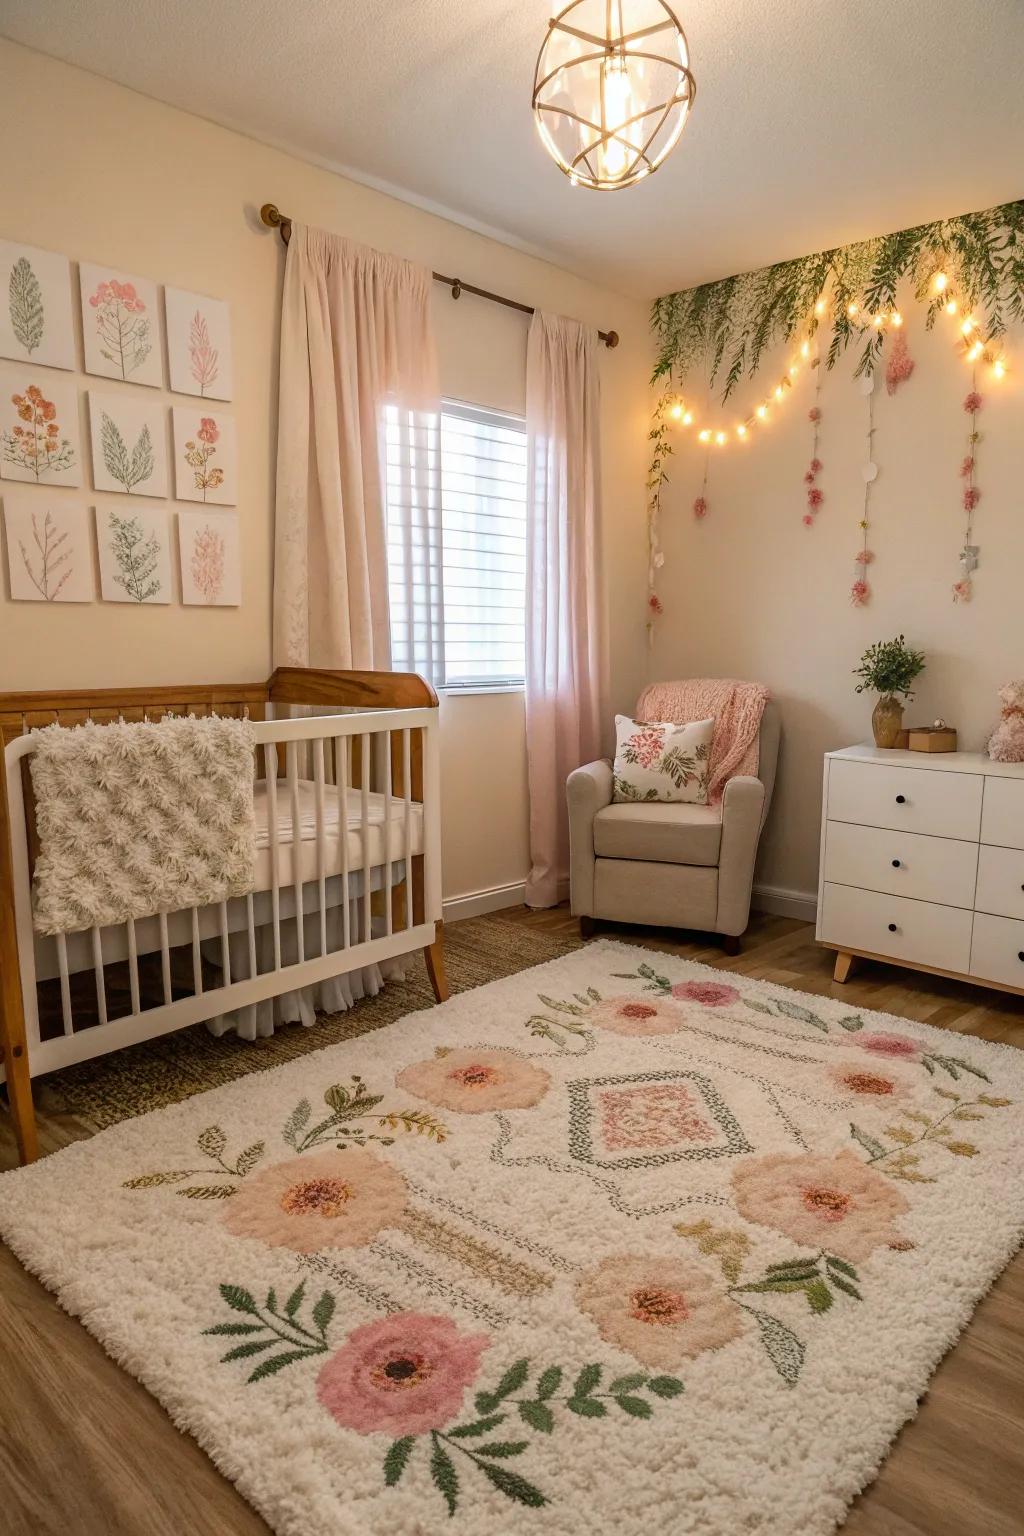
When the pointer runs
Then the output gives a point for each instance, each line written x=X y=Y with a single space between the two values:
x=348 y=869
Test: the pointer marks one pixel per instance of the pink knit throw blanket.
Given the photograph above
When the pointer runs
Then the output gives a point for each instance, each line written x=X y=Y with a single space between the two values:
x=736 y=708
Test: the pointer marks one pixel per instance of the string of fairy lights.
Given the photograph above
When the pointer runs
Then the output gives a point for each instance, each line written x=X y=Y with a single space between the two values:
x=973 y=345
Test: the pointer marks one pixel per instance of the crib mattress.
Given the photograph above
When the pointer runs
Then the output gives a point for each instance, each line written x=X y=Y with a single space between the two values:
x=297 y=848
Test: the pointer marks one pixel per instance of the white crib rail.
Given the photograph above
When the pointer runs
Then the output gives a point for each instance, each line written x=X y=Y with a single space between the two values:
x=382 y=739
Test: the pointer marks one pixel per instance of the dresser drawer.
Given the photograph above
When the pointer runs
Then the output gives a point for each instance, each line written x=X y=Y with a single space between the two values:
x=936 y=802
x=918 y=932
x=1000 y=882
x=935 y=869
x=1002 y=819
x=997 y=951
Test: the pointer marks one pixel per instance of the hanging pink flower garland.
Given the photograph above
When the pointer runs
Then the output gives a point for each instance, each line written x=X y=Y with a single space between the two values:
x=901 y=364
x=963 y=589
x=815 y=495
x=860 y=592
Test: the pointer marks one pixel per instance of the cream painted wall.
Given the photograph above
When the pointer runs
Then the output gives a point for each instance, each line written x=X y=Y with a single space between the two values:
x=750 y=592
x=121 y=179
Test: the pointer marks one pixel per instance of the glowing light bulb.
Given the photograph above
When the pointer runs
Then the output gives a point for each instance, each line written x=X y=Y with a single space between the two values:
x=616 y=110
x=688 y=419
x=968 y=326
x=805 y=349
x=951 y=307
x=878 y=322
x=819 y=308
x=676 y=411
x=940 y=282
x=975 y=352
x=762 y=412
x=851 y=310
x=897 y=318
x=741 y=430
x=704 y=436
x=778 y=391
x=720 y=438
x=999 y=368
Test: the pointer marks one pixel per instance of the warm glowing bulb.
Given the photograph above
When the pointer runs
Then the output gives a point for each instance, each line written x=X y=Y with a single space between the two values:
x=741 y=430
x=762 y=412
x=951 y=307
x=688 y=419
x=805 y=349
x=941 y=282
x=704 y=437
x=878 y=322
x=851 y=310
x=819 y=308
x=975 y=352
x=897 y=318
x=968 y=326
x=778 y=391
x=616 y=110
x=676 y=411
x=719 y=438
x=999 y=368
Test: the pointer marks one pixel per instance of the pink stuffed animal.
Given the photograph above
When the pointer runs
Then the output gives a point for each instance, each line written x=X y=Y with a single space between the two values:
x=1006 y=744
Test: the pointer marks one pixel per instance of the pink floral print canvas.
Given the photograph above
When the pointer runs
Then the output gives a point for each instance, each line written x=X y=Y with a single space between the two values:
x=39 y=439
x=208 y=548
x=120 y=326
x=205 y=460
x=198 y=344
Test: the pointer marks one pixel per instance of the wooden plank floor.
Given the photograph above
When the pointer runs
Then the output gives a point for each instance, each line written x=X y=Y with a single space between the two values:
x=85 y=1451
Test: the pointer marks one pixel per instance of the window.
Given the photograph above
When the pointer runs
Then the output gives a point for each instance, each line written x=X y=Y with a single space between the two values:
x=480 y=564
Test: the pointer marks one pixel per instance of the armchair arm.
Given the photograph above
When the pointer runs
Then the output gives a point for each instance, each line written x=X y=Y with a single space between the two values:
x=588 y=790
x=742 y=806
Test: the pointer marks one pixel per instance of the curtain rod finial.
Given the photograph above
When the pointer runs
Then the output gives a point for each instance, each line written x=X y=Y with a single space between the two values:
x=270 y=215
x=612 y=339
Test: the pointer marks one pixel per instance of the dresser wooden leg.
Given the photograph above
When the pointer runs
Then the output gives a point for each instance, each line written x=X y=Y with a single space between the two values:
x=844 y=966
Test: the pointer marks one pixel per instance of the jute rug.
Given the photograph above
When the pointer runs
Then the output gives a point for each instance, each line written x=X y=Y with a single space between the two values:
x=613 y=1243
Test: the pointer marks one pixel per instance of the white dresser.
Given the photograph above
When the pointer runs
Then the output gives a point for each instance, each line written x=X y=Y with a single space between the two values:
x=922 y=863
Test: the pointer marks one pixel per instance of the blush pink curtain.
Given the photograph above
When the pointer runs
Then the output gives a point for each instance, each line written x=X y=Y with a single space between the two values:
x=356 y=338
x=565 y=632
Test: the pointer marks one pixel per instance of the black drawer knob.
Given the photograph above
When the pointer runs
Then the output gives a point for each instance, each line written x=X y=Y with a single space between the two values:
x=897 y=864
x=1020 y=954
x=901 y=799
x=892 y=927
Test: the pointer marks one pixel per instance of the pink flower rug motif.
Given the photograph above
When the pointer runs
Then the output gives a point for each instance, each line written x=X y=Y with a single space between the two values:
x=616 y=1234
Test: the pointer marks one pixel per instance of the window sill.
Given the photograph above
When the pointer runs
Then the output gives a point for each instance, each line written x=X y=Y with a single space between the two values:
x=472 y=690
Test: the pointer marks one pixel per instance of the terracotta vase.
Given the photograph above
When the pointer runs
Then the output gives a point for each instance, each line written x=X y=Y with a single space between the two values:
x=887 y=720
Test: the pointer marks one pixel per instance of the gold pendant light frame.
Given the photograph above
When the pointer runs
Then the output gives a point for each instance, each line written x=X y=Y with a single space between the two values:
x=581 y=169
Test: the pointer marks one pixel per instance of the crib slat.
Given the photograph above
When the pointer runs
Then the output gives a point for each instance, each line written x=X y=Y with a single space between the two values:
x=65 y=983
x=133 y=964
x=341 y=782
x=97 y=963
x=407 y=786
x=197 y=956
x=270 y=768
x=364 y=817
x=225 y=948
x=165 y=957
x=250 y=916
x=291 y=757
x=321 y=851
x=389 y=887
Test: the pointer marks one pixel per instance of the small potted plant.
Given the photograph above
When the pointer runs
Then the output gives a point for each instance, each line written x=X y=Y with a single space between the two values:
x=887 y=668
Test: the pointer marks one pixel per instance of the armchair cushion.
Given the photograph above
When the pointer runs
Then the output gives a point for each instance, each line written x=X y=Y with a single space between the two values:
x=659 y=833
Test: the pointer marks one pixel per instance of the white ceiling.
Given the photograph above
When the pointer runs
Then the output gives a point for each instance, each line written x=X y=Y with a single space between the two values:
x=816 y=121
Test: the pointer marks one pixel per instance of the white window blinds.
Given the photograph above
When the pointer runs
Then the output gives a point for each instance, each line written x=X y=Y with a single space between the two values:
x=477 y=616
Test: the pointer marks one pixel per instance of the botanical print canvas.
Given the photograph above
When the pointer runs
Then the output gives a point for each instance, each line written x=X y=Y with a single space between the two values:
x=128 y=445
x=135 y=563
x=198 y=344
x=39 y=440
x=205 y=467
x=208 y=545
x=35 y=306
x=48 y=555
x=120 y=325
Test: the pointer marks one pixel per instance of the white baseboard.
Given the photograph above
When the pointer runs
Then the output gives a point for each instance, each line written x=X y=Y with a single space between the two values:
x=476 y=903
x=802 y=905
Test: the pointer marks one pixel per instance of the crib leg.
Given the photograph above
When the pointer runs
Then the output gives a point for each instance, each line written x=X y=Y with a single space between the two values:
x=434 y=958
x=19 y=1087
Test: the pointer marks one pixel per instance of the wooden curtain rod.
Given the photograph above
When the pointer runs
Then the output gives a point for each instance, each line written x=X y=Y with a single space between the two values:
x=273 y=218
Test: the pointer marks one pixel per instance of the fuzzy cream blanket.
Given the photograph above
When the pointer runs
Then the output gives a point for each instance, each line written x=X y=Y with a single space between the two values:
x=135 y=819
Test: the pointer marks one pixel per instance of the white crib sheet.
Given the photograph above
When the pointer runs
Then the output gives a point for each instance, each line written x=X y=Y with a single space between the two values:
x=306 y=840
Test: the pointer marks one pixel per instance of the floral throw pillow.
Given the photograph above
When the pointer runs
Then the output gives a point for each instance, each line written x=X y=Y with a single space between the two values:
x=656 y=760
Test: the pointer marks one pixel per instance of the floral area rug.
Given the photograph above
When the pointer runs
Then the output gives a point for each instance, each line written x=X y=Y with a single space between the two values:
x=612 y=1242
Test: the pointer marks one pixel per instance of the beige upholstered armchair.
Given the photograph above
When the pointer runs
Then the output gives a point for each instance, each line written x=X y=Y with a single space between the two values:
x=670 y=865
